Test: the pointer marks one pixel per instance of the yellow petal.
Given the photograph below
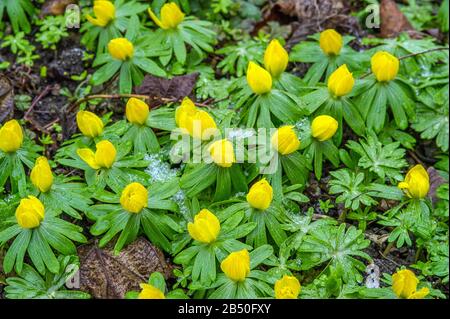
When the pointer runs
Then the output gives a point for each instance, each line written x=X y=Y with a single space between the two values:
x=137 y=111
x=385 y=66
x=134 y=198
x=287 y=287
x=89 y=124
x=121 y=49
x=285 y=140
x=341 y=81
x=323 y=127
x=275 y=58
x=41 y=175
x=260 y=195
x=88 y=156
x=30 y=212
x=222 y=153
x=259 y=80
x=237 y=265
x=11 y=136
x=150 y=292
x=330 y=42
x=105 y=155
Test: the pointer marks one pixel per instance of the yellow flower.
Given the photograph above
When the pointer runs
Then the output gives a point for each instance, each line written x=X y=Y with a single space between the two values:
x=275 y=58
x=11 y=136
x=385 y=66
x=136 y=111
x=287 y=287
x=134 y=198
x=150 y=292
x=171 y=16
x=259 y=80
x=237 y=265
x=330 y=42
x=121 y=49
x=89 y=124
x=404 y=285
x=260 y=195
x=198 y=123
x=104 y=156
x=104 y=11
x=341 y=81
x=205 y=228
x=222 y=153
x=285 y=140
x=30 y=212
x=323 y=127
x=416 y=183
x=41 y=174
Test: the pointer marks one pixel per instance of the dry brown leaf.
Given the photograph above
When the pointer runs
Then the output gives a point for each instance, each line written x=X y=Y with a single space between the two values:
x=393 y=21
x=55 y=7
x=6 y=98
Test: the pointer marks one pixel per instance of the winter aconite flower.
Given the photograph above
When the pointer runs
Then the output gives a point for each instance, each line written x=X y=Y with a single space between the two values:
x=275 y=58
x=41 y=175
x=341 y=81
x=198 y=123
x=136 y=111
x=404 y=285
x=285 y=140
x=330 y=42
x=30 y=212
x=237 y=265
x=416 y=183
x=150 y=292
x=104 y=156
x=89 y=124
x=287 y=287
x=121 y=49
x=385 y=66
x=323 y=127
x=171 y=16
x=134 y=198
x=222 y=153
x=259 y=80
x=260 y=195
x=205 y=228
x=104 y=13
x=11 y=136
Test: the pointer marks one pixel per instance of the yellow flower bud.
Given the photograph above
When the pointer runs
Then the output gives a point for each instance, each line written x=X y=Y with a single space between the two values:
x=416 y=183
x=41 y=175
x=104 y=156
x=385 y=66
x=198 y=123
x=150 y=292
x=420 y=294
x=275 y=58
x=134 y=198
x=260 y=195
x=237 y=265
x=259 y=80
x=341 y=81
x=205 y=228
x=287 y=287
x=136 y=111
x=89 y=124
x=324 y=127
x=30 y=212
x=171 y=16
x=285 y=140
x=104 y=12
x=11 y=136
x=330 y=42
x=222 y=153
x=404 y=285
x=121 y=49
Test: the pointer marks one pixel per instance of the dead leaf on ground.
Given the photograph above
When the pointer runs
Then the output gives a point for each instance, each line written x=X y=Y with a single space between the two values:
x=105 y=275
x=393 y=21
x=436 y=180
x=55 y=7
x=6 y=98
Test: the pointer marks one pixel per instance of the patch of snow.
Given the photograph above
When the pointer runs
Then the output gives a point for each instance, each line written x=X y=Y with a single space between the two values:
x=158 y=169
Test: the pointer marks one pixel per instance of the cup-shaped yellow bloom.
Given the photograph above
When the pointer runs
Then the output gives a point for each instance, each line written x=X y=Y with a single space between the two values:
x=222 y=153
x=121 y=49
x=404 y=285
x=276 y=58
x=134 y=198
x=198 y=123
x=237 y=265
x=285 y=140
x=89 y=124
x=341 y=81
x=205 y=228
x=259 y=80
x=330 y=42
x=104 y=12
x=171 y=16
x=260 y=195
x=137 y=111
x=41 y=175
x=11 y=136
x=323 y=127
x=287 y=287
x=385 y=66
x=30 y=212
x=104 y=156
x=150 y=292
x=416 y=183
